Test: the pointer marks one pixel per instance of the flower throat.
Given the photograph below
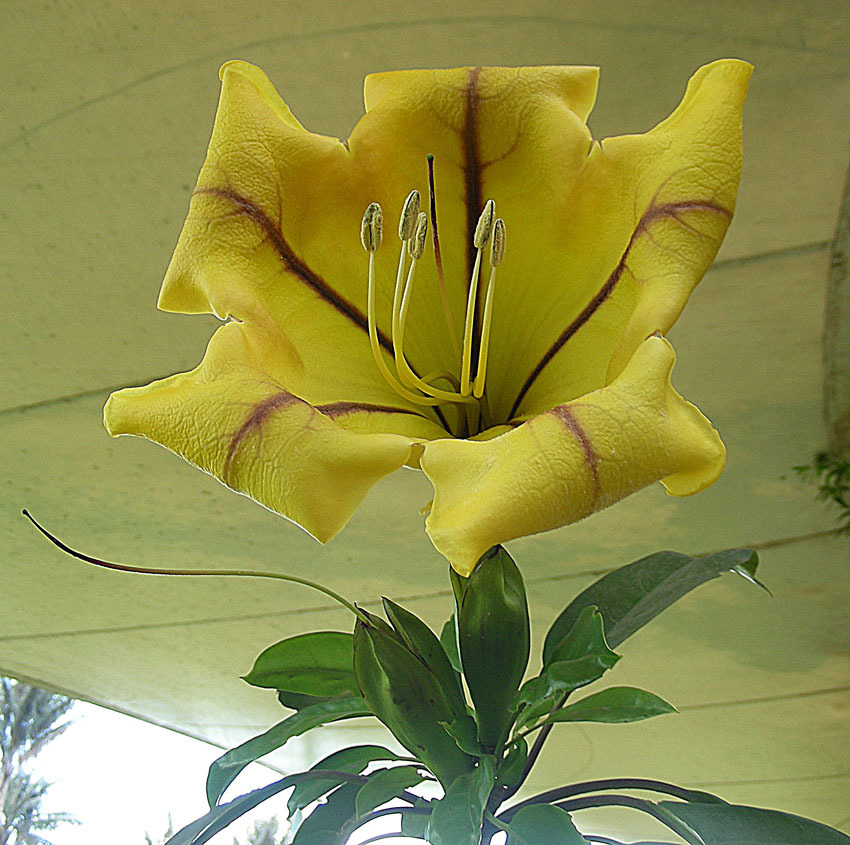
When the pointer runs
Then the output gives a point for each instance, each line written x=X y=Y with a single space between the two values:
x=465 y=391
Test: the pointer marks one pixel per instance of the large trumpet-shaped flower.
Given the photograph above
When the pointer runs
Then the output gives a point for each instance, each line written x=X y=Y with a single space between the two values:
x=520 y=364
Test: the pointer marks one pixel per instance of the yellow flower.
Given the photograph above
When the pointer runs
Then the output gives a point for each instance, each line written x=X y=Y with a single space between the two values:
x=543 y=395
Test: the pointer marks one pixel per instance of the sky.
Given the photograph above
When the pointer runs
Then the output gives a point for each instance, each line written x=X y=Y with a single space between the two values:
x=122 y=777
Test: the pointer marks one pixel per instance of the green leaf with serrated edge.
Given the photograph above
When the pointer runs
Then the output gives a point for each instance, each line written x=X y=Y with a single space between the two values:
x=423 y=642
x=456 y=818
x=350 y=760
x=224 y=770
x=543 y=824
x=585 y=638
x=414 y=824
x=318 y=664
x=614 y=705
x=733 y=824
x=203 y=829
x=385 y=785
x=510 y=768
x=330 y=823
x=464 y=731
x=448 y=639
x=631 y=596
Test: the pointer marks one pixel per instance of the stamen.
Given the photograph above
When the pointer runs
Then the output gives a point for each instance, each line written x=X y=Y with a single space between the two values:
x=497 y=253
x=416 y=248
x=482 y=235
x=438 y=257
x=409 y=214
x=371 y=232
x=372 y=227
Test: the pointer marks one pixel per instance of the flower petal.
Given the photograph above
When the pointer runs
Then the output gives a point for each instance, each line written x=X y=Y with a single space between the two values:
x=608 y=256
x=273 y=228
x=233 y=419
x=575 y=459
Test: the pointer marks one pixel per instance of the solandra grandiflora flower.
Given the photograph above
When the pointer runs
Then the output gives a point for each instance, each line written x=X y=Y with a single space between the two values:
x=509 y=340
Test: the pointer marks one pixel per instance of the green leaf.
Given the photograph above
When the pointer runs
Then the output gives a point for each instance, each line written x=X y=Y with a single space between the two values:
x=456 y=818
x=203 y=829
x=565 y=676
x=350 y=760
x=319 y=664
x=731 y=824
x=423 y=642
x=407 y=697
x=414 y=824
x=464 y=731
x=494 y=638
x=330 y=823
x=224 y=770
x=631 y=596
x=510 y=769
x=584 y=639
x=614 y=705
x=543 y=824
x=385 y=785
x=448 y=639
x=297 y=701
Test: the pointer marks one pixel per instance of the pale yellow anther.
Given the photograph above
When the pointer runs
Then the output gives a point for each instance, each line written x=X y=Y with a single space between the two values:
x=409 y=213
x=416 y=244
x=485 y=225
x=497 y=247
x=372 y=227
x=497 y=252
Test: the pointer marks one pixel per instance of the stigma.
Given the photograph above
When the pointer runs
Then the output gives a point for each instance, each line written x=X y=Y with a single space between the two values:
x=462 y=388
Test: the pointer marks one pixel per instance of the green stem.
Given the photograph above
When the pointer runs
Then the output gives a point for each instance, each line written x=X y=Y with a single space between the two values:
x=242 y=573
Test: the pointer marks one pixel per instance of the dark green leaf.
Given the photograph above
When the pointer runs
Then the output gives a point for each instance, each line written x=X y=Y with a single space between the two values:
x=464 y=732
x=385 y=785
x=350 y=760
x=318 y=664
x=297 y=701
x=203 y=829
x=565 y=676
x=614 y=705
x=330 y=823
x=631 y=596
x=731 y=824
x=585 y=638
x=493 y=637
x=407 y=697
x=448 y=639
x=511 y=767
x=543 y=824
x=224 y=770
x=414 y=824
x=423 y=642
x=456 y=818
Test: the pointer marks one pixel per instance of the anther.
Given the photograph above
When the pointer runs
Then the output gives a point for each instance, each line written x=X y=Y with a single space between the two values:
x=372 y=227
x=416 y=244
x=485 y=225
x=497 y=253
x=409 y=213
x=497 y=248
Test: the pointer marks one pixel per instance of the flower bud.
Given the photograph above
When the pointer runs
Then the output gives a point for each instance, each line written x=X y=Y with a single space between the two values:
x=494 y=641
